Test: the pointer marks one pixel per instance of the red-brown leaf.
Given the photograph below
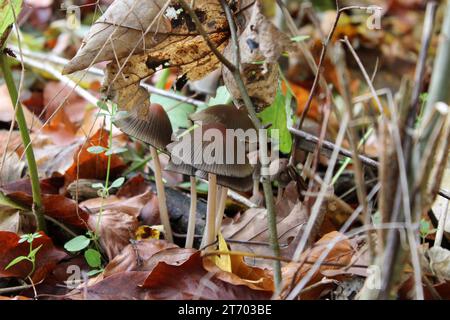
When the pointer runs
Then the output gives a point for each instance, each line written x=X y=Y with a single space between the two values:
x=46 y=258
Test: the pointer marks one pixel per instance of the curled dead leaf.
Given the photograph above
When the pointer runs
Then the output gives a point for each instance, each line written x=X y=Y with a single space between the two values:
x=194 y=282
x=340 y=256
x=242 y=274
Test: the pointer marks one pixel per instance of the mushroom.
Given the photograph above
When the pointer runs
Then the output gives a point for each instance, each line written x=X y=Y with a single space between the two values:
x=151 y=125
x=231 y=118
x=188 y=170
x=228 y=115
x=213 y=164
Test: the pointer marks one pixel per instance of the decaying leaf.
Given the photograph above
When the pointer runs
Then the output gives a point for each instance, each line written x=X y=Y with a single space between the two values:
x=143 y=36
x=120 y=30
x=46 y=258
x=12 y=168
x=242 y=274
x=259 y=55
x=117 y=223
x=55 y=205
x=134 y=256
x=9 y=219
x=194 y=282
x=87 y=165
x=252 y=226
x=341 y=255
x=440 y=262
x=157 y=282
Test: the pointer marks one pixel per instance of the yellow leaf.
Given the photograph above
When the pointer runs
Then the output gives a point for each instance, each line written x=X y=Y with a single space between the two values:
x=223 y=261
x=147 y=232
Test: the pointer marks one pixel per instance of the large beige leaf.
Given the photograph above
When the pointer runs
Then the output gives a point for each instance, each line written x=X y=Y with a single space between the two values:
x=184 y=49
x=126 y=26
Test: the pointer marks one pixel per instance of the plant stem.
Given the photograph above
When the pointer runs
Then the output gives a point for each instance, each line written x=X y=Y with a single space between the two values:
x=163 y=212
x=209 y=234
x=192 y=214
x=273 y=233
x=441 y=71
x=221 y=209
x=31 y=161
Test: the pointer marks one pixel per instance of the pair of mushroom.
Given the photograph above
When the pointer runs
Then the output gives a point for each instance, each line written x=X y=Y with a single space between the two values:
x=208 y=159
x=152 y=126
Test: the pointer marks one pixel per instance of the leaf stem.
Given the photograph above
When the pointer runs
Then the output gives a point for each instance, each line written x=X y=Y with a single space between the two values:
x=29 y=153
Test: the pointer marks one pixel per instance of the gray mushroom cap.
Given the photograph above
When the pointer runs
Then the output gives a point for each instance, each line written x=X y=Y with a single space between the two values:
x=228 y=115
x=149 y=124
x=180 y=168
x=202 y=154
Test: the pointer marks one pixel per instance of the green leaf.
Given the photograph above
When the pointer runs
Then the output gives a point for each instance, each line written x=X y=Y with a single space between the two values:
x=22 y=239
x=16 y=261
x=117 y=150
x=93 y=258
x=118 y=183
x=96 y=149
x=277 y=116
x=94 y=272
x=77 y=244
x=7 y=13
x=177 y=111
x=300 y=38
x=5 y=201
x=98 y=186
x=33 y=252
x=222 y=97
x=103 y=106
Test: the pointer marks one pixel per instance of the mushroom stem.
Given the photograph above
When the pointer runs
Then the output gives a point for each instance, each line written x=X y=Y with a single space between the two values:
x=163 y=212
x=221 y=209
x=192 y=214
x=255 y=187
x=209 y=236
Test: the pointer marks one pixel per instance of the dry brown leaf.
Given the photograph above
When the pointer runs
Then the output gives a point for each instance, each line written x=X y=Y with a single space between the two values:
x=184 y=49
x=46 y=258
x=9 y=219
x=259 y=55
x=86 y=165
x=55 y=205
x=440 y=262
x=242 y=274
x=118 y=221
x=194 y=282
x=115 y=230
x=341 y=255
x=119 y=30
x=252 y=226
x=7 y=111
x=12 y=168
x=134 y=256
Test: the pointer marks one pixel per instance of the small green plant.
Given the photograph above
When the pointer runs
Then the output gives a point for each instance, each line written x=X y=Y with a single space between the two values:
x=425 y=229
x=83 y=242
x=93 y=256
x=31 y=257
